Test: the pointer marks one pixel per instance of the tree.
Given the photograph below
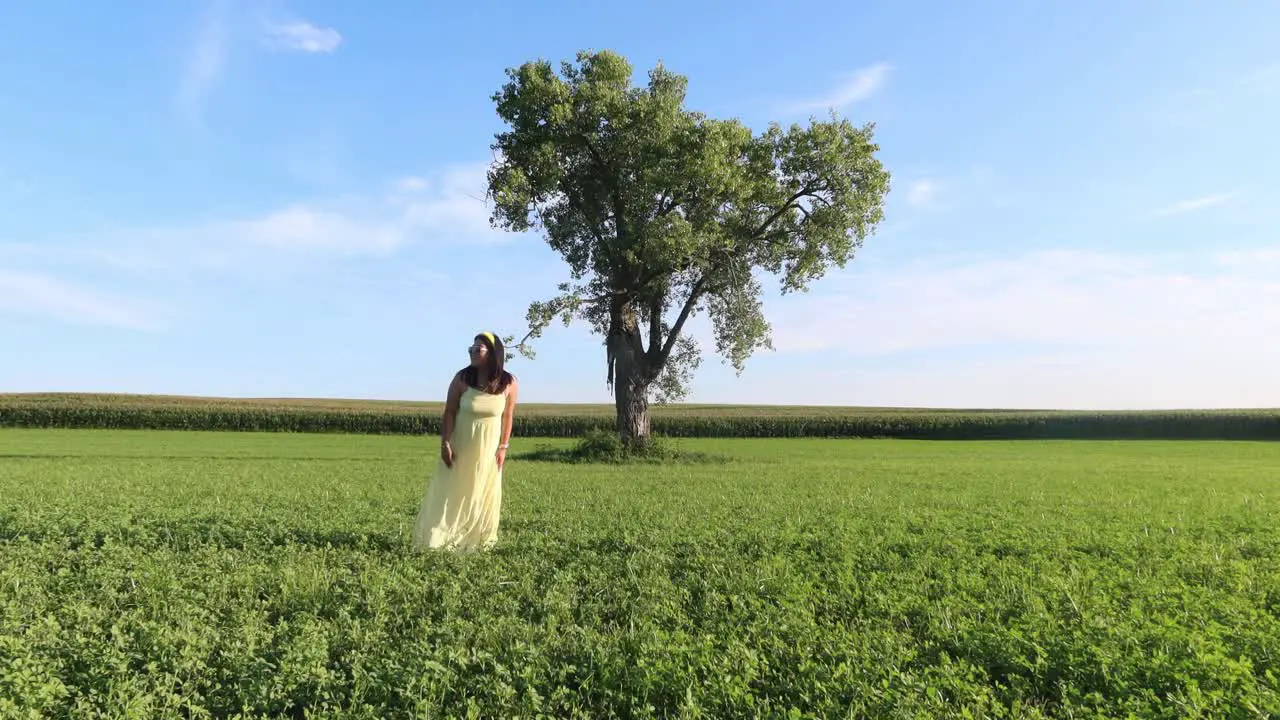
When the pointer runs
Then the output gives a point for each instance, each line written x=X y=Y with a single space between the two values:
x=661 y=213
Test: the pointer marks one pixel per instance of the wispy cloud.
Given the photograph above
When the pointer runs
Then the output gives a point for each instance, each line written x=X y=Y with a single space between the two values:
x=1069 y=380
x=856 y=87
x=1260 y=259
x=300 y=36
x=1196 y=203
x=208 y=54
x=206 y=59
x=1225 y=98
x=40 y=296
x=445 y=208
x=1095 y=329
x=1064 y=298
x=950 y=189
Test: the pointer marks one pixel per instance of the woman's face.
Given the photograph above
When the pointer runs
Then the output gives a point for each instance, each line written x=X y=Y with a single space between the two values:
x=479 y=353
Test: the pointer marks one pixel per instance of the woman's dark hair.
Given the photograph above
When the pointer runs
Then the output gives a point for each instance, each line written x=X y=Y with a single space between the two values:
x=499 y=378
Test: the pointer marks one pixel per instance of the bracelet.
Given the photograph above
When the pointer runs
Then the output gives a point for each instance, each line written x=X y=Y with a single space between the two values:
x=503 y=446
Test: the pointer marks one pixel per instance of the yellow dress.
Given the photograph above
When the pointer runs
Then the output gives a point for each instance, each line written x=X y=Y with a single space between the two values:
x=461 y=506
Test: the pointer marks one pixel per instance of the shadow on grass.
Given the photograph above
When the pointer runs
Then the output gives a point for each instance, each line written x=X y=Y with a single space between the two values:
x=572 y=456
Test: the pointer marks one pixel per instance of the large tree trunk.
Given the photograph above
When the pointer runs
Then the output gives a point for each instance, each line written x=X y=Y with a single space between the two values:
x=631 y=399
x=630 y=377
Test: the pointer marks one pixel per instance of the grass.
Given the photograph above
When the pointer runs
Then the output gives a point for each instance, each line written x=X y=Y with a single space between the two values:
x=188 y=575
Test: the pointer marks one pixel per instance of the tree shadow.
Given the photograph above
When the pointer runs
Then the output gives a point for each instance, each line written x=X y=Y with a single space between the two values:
x=579 y=456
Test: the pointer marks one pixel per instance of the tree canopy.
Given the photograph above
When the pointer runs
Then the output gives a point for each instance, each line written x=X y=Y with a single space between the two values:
x=661 y=212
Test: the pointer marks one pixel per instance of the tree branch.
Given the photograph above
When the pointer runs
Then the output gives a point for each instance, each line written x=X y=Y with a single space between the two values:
x=655 y=323
x=694 y=295
x=594 y=228
x=604 y=167
x=521 y=345
x=790 y=203
x=650 y=277
x=565 y=306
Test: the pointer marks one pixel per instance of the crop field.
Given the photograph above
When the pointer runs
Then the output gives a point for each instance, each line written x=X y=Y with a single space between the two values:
x=411 y=407
x=381 y=417
x=148 y=574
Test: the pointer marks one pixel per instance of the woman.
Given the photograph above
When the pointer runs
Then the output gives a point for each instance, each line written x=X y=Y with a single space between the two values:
x=460 y=509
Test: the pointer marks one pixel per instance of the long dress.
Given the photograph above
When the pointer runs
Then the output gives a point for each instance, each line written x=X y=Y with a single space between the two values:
x=460 y=509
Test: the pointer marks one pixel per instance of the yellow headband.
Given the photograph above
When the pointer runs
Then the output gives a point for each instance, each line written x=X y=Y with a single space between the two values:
x=492 y=340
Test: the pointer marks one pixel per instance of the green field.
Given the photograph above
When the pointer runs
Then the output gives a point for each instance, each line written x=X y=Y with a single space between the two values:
x=195 y=575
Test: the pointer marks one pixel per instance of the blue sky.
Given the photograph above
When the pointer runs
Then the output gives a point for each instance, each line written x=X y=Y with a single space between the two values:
x=285 y=198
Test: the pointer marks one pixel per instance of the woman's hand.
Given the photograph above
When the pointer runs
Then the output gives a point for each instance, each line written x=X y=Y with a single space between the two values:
x=446 y=454
x=501 y=456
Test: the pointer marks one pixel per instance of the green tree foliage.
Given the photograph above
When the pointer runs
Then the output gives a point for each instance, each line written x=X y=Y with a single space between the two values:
x=661 y=212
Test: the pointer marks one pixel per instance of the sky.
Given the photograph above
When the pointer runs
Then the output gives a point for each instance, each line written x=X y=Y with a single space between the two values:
x=285 y=198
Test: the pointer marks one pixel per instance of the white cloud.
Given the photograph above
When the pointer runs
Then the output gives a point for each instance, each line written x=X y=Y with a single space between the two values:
x=857 y=87
x=1094 y=323
x=206 y=59
x=301 y=36
x=41 y=296
x=412 y=184
x=1256 y=260
x=921 y=192
x=303 y=228
x=456 y=201
x=1197 y=203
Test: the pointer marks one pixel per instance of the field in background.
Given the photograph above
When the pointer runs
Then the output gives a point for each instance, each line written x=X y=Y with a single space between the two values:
x=425 y=407
x=190 y=574
x=568 y=420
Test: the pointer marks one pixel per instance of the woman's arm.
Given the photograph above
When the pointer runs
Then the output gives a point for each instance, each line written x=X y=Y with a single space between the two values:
x=452 y=399
x=508 y=414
